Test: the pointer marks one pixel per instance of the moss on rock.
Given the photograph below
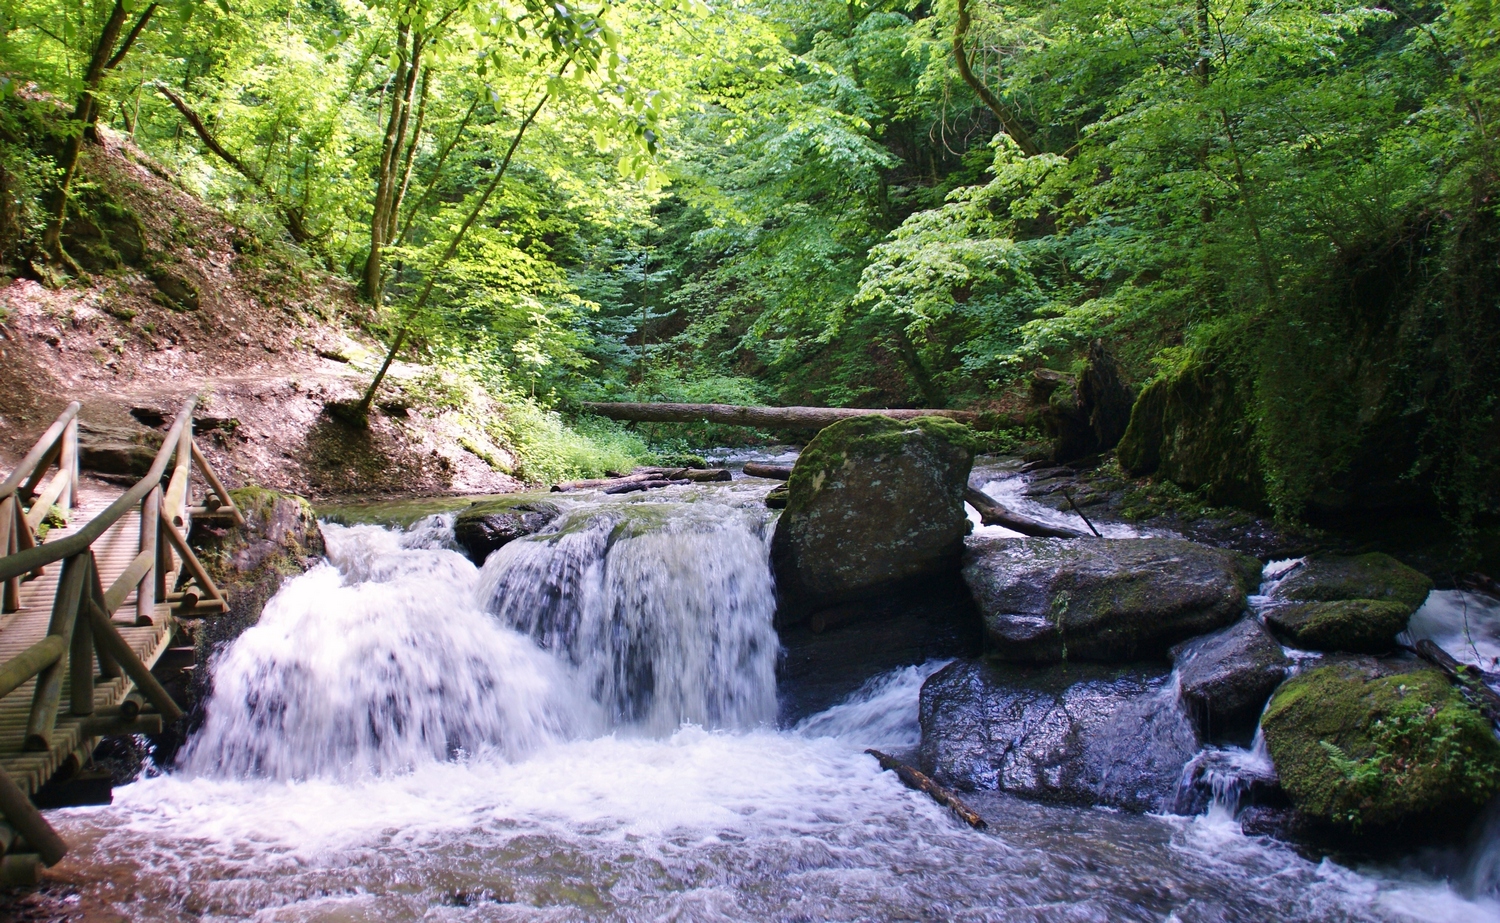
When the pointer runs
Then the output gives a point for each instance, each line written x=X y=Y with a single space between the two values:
x=871 y=503
x=1359 y=626
x=1375 y=576
x=1356 y=750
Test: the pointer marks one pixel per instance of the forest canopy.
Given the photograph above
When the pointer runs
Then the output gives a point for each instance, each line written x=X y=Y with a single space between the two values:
x=1279 y=210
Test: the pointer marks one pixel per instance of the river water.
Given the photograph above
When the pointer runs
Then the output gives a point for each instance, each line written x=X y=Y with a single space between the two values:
x=584 y=729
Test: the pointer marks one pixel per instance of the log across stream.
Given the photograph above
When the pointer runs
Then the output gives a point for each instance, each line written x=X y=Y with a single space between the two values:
x=586 y=728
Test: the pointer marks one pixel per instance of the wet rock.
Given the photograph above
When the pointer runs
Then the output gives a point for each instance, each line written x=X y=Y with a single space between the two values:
x=1236 y=779
x=1045 y=599
x=1361 y=751
x=488 y=525
x=1225 y=678
x=123 y=450
x=1329 y=578
x=1074 y=734
x=873 y=504
x=1359 y=626
x=1086 y=415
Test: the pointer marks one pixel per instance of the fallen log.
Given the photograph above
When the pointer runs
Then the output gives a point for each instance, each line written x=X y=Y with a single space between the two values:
x=591 y=483
x=763 y=470
x=630 y=486
x=1467 y=676
x=772 y=417
x=696 y=475
x=919 y=781
x=993 y=514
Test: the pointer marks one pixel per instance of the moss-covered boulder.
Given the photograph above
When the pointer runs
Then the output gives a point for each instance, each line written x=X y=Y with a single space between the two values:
x=1358 y=626
x=1329 y=578
x=1045 y=600
x=873 y=503
x=1361 y=751
x=489 y=525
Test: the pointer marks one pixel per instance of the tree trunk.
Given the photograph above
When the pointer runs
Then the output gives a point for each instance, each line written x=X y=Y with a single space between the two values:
x=769 y=417
x=993 y=514
x=403 y=86
x=961 y=58
x=106 y=57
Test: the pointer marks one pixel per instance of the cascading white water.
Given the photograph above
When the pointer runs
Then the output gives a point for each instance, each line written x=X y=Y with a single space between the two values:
x=664 y=610
x=377 y=661
x=641 y=617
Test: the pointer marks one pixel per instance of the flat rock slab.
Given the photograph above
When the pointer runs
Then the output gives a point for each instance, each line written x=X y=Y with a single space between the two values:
x=1045 y=600
x=1359 y=626
x=1082 y=734
x=1225 y=678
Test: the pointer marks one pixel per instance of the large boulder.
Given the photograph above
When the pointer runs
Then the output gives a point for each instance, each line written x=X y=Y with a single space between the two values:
x=1074 y=734
x=1355 y=603
x=127 y=450
x=873 y=504
x=1046 y=599
x=1328 y=578
x=1225 y=678
x=1357 y=750
x=1356 y=626
x=488 y=525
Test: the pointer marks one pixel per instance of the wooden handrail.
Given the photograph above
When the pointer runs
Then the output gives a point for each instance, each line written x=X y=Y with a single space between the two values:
x=42 y=447
x=24 y=562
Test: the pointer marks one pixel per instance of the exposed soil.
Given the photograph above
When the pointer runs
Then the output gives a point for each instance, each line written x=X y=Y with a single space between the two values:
x=203 y=307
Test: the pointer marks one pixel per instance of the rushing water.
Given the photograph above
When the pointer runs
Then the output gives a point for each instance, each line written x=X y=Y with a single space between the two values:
x=582 y=730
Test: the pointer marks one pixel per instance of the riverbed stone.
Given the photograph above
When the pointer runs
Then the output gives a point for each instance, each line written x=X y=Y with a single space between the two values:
x=1357 y=626
x=489 y=525
x=1046 y=600
x=1361 y=751
x=1330 y=578
x=1225 y=678
x=1085 y=734
x=873 y=505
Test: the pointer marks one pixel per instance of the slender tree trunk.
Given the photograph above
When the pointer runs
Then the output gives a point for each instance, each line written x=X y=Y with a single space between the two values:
x=106 y=57
x=1008 y=121
x=390 y=151
x=437 y=172
x=415 y=310
x=393 y=214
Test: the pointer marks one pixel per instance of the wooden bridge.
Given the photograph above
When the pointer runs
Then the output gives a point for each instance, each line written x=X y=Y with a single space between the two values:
x=86 y=613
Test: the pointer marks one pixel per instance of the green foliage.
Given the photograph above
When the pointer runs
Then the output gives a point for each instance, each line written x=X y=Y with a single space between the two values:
x=551 y=450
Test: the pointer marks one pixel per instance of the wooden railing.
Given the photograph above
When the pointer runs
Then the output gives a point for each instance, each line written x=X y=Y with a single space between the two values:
x=82 y=626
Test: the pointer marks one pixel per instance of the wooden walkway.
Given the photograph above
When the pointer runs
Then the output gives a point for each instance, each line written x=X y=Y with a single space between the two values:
x=19 y=630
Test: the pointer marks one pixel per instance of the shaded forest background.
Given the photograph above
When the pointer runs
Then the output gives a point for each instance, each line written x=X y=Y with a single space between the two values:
x=1279 y=217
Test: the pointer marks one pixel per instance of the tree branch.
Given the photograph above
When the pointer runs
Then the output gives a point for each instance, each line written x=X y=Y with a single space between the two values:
x=1007 y=119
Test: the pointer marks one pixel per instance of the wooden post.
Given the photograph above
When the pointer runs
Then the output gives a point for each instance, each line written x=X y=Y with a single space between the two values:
x=174 y=504
x=69 y=463
x=190 y=562
x=145 y=591
x=22 y=667
x=81 y=667
x=108 y=637
x=10 y=592
x=72 y=589
x=22 y=815
x=217 y=486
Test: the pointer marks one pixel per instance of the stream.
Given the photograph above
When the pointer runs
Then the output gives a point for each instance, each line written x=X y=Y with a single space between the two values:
x=585 y=729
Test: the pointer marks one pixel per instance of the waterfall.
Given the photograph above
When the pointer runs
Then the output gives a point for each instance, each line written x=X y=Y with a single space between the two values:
x=665 y=610
x=398 y=651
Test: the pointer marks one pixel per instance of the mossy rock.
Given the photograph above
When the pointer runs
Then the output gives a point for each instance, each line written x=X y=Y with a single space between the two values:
x=489 y=525
x=1358 y=751
x=1358 y=626
x=1375 y=576
x=872 y=503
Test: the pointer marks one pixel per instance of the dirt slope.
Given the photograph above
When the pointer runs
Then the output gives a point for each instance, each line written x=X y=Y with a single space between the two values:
x=180 y=301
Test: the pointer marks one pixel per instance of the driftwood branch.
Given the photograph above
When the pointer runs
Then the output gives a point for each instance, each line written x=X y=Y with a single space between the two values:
x=919 y=781
x=993 y=514
x=1467 y=676
x=646 y=479
x=768 y=417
